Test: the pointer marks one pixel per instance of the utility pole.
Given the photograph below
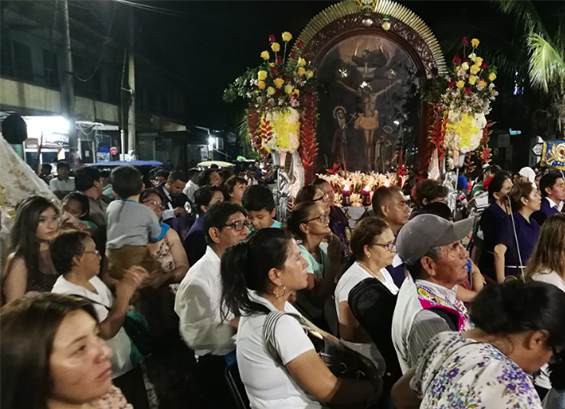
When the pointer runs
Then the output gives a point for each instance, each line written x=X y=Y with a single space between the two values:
x=67 y=89
x=131 y=81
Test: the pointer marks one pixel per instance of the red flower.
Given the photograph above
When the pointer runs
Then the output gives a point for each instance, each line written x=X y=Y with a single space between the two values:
x=278 y=60
x=484 y=66
x=465 y=41
x=272 y=38
x=451 y=84
x=274 y=71
x=468 y=90
x=456 y=60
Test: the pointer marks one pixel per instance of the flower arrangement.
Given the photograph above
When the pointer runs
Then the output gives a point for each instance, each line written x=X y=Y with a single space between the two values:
x=358 y=186
x=276 y=83
x=460 y=113
x=281 y=113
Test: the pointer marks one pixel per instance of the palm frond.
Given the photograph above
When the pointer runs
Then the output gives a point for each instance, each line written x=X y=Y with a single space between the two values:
x=547 y=68
x=525 y=14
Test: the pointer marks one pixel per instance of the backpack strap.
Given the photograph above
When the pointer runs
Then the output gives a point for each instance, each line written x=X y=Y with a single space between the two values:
x=269 y=334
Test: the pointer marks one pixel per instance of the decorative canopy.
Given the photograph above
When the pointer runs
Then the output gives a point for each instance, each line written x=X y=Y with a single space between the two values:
x=385 y=17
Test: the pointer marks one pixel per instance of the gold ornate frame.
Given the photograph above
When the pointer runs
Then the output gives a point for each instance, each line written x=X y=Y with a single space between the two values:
x=351 y=17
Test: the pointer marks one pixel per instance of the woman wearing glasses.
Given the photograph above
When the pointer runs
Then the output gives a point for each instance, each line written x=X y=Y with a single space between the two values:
x=29 y=267
x=75 y=257
x=365 y=295
x=168 y=252
x=309 y=223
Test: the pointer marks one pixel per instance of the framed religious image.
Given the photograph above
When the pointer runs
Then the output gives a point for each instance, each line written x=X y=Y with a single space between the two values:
x=368 y=102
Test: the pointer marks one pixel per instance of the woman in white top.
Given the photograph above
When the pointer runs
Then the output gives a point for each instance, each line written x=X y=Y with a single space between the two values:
x=547 y=262
x=372 y=245
x=75 y=257
x=271 y=266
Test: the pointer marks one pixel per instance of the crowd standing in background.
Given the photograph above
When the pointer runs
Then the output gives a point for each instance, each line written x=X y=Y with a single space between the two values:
x=172 y=290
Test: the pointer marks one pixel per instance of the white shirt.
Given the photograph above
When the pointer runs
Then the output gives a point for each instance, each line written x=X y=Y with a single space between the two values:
x=103 y=300
x=169 y=212
x=197 y=303
x=353 y=276
x=190 y=189
x=268 y=384
x=62 y=185
x=550 y=277
x=552 y=204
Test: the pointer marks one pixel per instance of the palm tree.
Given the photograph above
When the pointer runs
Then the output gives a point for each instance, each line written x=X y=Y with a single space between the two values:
x=545 y=53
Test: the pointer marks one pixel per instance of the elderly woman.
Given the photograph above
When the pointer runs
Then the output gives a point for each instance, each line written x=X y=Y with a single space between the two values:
x=58 y=361
x=490 y=366
x=29 y=267
x=280 y=370
x=372 y=244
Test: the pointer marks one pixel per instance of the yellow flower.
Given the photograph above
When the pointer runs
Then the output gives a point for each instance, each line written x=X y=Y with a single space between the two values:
x=278 y=82
x=301 y=62
x=473 y=79
x=465 y=66
x=460 y=84
x=301 y=71
x=276 y=47
x=491 y=76
x=478 y=61
x=286 y=36
x=265 y=55
x=262 y=75
x=261 y=84
x=309 y=74
x=288 y=89
x=481 y=85
x=475 y=42
x=270 y=91
x=475 y=69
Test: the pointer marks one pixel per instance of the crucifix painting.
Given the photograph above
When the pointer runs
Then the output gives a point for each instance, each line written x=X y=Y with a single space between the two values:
x=368 y=83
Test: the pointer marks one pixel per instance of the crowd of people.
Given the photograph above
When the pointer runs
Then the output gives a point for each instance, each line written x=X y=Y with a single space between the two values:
x=183 y=290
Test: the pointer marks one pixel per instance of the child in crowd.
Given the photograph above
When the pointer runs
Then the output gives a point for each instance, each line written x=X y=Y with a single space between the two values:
x=131 y=225
x=76 y=209
x=260 y=205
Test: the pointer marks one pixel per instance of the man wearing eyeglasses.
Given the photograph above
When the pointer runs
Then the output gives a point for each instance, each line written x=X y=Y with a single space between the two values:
x=427 y=303
x=198 y=302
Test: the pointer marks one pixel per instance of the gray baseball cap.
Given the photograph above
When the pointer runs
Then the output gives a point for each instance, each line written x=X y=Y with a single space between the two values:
x=417 y=237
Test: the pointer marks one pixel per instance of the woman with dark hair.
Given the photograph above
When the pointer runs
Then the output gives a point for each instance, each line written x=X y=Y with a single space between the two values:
x=258 y=277
x=234 y=187
x=29 y=266
x=339 y=224
x=525 y=199
x=169 y=251
x=489 y=366
x=495 y=225
x=372 y=244
x=52 y=356
x=309 y=224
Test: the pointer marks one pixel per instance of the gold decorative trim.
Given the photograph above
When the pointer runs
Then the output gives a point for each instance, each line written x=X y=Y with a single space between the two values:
x=389 y=8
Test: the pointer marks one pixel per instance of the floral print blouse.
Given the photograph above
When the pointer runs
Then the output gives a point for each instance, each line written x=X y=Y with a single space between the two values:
x=458 y=373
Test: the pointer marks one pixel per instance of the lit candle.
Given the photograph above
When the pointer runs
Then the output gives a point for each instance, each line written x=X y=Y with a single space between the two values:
x=346 y=196
x=366 y=196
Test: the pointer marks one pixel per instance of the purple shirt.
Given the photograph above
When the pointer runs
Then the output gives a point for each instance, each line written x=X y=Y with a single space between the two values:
x=496 y=227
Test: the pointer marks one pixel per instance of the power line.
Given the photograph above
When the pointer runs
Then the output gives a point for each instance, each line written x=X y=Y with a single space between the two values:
x=101 y=54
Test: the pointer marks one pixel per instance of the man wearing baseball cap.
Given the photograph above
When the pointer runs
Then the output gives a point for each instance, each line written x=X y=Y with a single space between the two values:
x=431 y=249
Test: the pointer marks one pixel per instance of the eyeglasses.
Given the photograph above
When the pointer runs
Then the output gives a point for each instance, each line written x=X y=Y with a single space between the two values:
x=238 y=225
x=93 y=252
x=324 y=218
x=153 y=203
x=390 y=246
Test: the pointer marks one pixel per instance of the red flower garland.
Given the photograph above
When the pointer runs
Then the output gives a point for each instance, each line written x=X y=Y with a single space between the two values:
x=308 y=145
x=436 y=132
